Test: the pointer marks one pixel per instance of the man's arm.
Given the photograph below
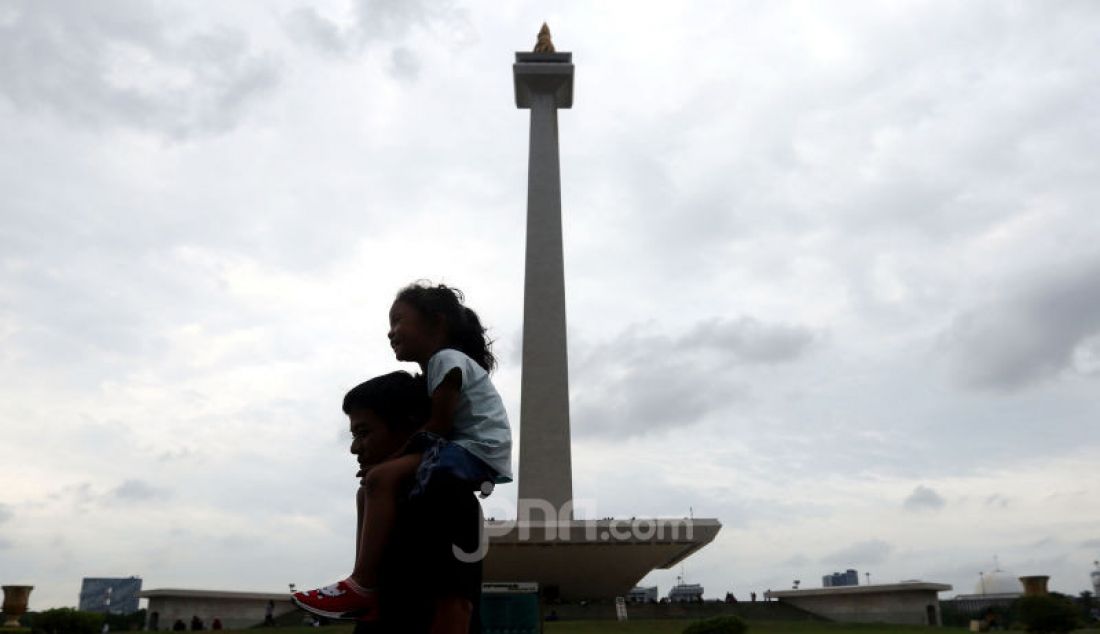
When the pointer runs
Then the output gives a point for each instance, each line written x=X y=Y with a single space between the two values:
x=360 y=505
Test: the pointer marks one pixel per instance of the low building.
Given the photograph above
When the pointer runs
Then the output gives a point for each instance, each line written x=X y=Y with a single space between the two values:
x=847 y=578
x=639 y=594
x=911 y=602
x=116 y=595
x=993 y=594
x=236 y=610
x=686 y=592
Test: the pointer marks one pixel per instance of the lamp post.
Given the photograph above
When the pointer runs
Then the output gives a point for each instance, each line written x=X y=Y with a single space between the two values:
x=107 y=609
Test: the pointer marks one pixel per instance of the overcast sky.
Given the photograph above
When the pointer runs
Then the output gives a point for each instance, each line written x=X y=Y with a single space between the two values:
x=832 y=275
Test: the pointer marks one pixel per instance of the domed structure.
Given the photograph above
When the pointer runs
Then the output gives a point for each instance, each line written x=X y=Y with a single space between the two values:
x=998 y=582
x=993 y=591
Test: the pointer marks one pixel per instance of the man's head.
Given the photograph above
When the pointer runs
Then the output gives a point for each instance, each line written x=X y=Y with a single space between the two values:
x=383 y=413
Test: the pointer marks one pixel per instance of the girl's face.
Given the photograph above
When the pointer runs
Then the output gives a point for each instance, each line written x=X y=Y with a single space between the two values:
x=412 y=335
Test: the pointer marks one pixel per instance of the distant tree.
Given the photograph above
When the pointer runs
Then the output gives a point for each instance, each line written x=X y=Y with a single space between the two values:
x=1051 y=614
x=66 y=621
x=1087 y=602
x=126 y=622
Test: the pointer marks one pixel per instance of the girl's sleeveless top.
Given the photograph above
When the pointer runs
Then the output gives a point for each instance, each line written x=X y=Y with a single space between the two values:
x=481 y=424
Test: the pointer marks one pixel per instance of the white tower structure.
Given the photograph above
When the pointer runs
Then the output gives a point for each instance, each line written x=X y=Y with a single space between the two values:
x=569 y=559
x=544 y=83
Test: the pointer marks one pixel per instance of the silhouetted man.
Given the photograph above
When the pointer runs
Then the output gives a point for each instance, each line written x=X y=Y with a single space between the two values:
x=424 y=587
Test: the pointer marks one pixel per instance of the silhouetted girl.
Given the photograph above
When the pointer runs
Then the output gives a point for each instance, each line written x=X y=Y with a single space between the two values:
x=467 y=436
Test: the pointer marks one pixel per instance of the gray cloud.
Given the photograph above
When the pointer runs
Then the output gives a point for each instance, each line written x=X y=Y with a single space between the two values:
x=380 y=24
x=1091 y=543
x=393 y=19
x=6 y=544
x=796 y=561
x=307 y=26
x=404 y=63
x=924 y=498
x=638 y=382
x=123 y=64
x=180 y=453
x=79 y=497
x=1028 y=335
x=749 y=340
x=874 y=551
x=997 y=500
x=136 y=491
x=6 y=514
x=83 y=497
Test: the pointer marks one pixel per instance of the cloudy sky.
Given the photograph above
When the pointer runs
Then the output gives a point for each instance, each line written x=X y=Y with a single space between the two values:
x=832 y=275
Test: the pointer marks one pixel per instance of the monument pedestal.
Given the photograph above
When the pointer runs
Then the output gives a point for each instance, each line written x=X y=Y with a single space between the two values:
x=591 y=559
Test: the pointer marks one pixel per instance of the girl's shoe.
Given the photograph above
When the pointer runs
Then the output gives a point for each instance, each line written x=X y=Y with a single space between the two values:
x=341 y=600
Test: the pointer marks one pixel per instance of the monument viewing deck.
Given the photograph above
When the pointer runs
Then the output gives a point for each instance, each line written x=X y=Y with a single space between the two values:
x=591 y=559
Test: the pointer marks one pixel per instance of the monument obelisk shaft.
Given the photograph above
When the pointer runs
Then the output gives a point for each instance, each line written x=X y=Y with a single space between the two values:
x=583 y=560
x=544 y=83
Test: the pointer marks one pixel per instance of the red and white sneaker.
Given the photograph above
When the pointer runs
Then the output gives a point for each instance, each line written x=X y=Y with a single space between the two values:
x=342 y=600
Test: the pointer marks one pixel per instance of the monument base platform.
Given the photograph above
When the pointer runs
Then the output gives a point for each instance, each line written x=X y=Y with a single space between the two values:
x=591 y=559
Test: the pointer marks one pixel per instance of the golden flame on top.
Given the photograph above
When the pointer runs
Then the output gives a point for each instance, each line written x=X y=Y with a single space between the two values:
x=543 y=44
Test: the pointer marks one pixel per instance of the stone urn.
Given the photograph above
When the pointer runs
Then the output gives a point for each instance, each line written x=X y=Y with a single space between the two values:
x=15 y=604
x=1035 y=585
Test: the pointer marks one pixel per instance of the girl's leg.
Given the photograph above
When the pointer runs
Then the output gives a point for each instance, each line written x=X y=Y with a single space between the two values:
x=383 y=485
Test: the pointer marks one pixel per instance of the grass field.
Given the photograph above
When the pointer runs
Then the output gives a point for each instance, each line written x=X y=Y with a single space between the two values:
x=755 y=627
x=669 y=626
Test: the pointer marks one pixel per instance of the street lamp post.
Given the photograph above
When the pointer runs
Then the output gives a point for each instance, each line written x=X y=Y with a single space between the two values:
x=107 y=609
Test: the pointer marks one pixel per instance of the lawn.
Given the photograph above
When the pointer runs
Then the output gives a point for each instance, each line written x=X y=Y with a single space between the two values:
x=676 y=626
x=755 y=627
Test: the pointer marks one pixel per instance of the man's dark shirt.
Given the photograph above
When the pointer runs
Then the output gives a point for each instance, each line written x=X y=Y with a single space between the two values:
x=419 y=565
